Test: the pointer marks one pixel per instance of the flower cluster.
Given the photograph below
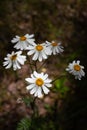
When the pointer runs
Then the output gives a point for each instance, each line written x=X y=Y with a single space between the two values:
x=39 y=82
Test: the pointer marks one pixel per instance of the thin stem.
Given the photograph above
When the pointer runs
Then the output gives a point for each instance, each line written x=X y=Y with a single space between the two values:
x=16 y=75
x=34 y=100
x=30 y=64
x=41 y=65
x=58 y=78
x=34 y=108
x=36 y=65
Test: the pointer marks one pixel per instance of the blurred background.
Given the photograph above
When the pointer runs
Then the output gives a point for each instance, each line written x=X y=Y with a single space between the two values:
x=65 y=108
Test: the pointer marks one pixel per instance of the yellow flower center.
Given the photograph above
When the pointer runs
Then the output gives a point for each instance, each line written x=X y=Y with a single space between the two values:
x=23 y=38
x=39 y=82
x=13 y=57
x=77 y=67
x=54 y=44
x=39 y=47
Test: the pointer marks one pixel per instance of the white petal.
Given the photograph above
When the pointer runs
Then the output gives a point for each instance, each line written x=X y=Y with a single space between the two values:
x=82 y=67
x=47 y=81
x=8 y=55
x=44 y=55
x=24 y=44
x=6 y=58
x=36 y=74
x=39 y=92
x=29 y=36
x=48 y=50
x=5 y=63
x=45 y=89
x=35 y=57
x=48 y=85
x=12 y=53
x=30 y=86
x=83 y=73
x=31 y=52
x=36 y=93
x=33 y=77
x=21 y=60
x=19 y=46
x=40 y=57
x=17 y=64
x=45 y=76
x=14 y=40
x=31 y=47
x=59 y=49
x=48 y=43
x=54 y=51
x=30 y=80
x=33 y=90
x=31 y=41
x=78 y=62
x=18 y=53
x=14 y=66
x=67 y=69
x=73 y=62
x=9 y=65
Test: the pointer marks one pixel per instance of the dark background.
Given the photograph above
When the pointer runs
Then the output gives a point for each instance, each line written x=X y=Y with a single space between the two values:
x=64 y=20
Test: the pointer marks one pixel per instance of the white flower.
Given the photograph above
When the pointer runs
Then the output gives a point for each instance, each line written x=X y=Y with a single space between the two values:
x=38 y=84
x=40 y=51
x=76 y=69
x=55 y=47
x=23 y=42
x=14 y=59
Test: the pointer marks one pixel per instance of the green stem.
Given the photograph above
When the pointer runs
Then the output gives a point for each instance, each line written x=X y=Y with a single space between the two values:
x=34 y=107
x=30 y=64
x=58 y=78
x=41 y=65
x=16 y=75
x=36 y=65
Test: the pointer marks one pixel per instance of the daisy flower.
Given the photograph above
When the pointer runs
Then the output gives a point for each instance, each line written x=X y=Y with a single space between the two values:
x=38 y=84
x=40 y=51
x=76 y=69
x=55 y=47
x=23 y=41
x=14 y=59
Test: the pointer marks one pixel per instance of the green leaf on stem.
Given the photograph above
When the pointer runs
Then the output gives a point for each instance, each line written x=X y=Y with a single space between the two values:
x=60 y=86
x=24 y=124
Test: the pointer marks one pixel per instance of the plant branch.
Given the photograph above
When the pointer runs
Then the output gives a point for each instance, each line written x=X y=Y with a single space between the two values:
x=58 y=78
x=30 y=64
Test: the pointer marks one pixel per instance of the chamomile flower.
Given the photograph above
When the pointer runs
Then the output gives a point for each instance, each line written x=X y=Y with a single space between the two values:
x=55 y=47
x=14 y=59
x=23 y=42
x=40 y=51
x=76 y=69
x=38 y=84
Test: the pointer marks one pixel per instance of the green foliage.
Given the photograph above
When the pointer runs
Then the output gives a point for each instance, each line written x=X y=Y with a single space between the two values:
x=43 y=123
x=61 y=87
x=24 y=124
x=38 y=123
x=73 y=56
